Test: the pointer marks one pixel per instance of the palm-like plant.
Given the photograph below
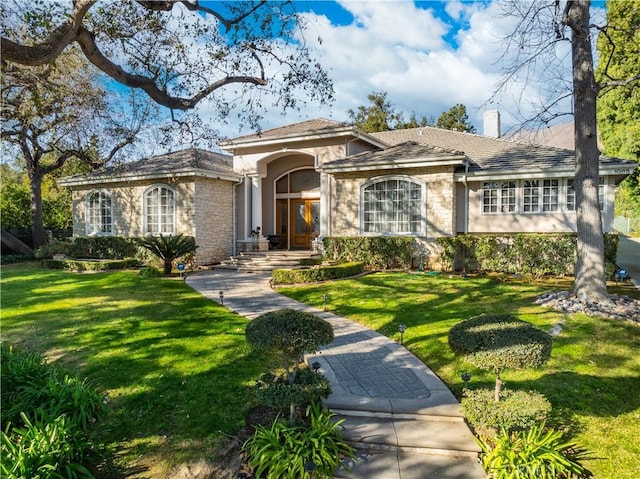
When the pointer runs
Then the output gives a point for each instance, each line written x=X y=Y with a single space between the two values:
x=168 y=248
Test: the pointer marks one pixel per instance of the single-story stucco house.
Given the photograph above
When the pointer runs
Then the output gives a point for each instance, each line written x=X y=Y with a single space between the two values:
x=286 y=187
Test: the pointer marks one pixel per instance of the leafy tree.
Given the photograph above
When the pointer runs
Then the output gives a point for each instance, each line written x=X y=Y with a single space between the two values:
x=57 y=112
x=456 y=119
x=618 y=108
x=168 y=248
x=378 y=116
x=531 y=48
x=180 y=52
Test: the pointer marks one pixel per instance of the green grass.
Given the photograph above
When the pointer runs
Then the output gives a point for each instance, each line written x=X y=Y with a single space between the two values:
x=174 y=366
x=592 y=379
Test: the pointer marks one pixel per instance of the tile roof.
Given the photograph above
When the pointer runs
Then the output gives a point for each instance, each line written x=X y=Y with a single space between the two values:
x=403 y=155
x=183 y=161
x=486 y=153
x=308 y=126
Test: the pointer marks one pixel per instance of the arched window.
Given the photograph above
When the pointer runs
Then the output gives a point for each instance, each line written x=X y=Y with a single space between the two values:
x=159 y=210
x=393 y=206
x=99 y=213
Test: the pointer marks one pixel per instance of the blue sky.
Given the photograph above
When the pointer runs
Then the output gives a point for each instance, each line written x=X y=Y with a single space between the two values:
x=427 y=56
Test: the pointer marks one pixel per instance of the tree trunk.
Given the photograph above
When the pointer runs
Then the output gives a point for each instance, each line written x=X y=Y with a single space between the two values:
x=590 y=281
x=168 y=266
x=37 y=221
x=14 y=243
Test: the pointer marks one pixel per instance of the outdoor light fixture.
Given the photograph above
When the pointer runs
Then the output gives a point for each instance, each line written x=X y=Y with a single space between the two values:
x=466 y=377
x=402 y=329
x=325 y=297
x=315 y=365
x=221 y=298
x=309 y=466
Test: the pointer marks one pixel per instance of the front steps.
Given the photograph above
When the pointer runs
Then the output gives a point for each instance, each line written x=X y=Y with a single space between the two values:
x=415 y=445
x=265 y=261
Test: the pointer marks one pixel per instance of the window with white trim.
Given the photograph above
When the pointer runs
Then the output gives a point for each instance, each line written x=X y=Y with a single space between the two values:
x=531 y=196
x=99 y=213
x=159 y=210
x=499 y=197
x=393 y=206
x=550 y=195
x=571 y=195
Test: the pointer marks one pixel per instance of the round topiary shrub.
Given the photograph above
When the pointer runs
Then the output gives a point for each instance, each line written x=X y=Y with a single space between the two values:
x=276 y=392
x=289 y=334
x=500 y=342
x=516 y=410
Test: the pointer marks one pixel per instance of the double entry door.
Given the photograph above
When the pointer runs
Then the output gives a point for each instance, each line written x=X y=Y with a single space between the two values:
x=297 y=222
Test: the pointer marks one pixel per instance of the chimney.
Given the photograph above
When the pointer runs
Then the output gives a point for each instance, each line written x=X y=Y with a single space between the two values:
x=491 y=123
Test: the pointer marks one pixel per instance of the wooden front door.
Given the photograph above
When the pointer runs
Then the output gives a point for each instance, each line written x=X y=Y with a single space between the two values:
x=305 y=222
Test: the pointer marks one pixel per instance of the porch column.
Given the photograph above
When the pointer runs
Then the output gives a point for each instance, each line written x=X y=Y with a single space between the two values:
x=247 y=208
x=325 y=204
x=256 y=203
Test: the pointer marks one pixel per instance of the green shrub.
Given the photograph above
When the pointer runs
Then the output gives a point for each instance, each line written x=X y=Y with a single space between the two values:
x=52 y=248
x=310 y=450
x=497 y=342
x=149 y=272
x=17 y=258
x=96 y=265
x=312 y=261
x=46 y=415
x=103 y=247
x=289 y=334
x=308 y=387
x=314 y=275
x=376 y=252
x=515 y=410
x=533 y=454
x=169 y=248
x=523 y=253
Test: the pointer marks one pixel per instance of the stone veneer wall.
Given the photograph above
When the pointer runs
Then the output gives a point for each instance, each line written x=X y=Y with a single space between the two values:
x=213 y=220
x=440 y=205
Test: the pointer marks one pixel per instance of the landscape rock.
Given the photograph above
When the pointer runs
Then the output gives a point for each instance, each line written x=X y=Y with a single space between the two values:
x=617 y=307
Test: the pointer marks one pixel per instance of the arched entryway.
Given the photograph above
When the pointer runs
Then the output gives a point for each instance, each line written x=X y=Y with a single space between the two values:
x=297 y=208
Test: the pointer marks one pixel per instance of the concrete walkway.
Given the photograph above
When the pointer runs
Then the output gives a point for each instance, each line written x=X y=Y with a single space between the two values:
x=404 y=421
x=629 y=257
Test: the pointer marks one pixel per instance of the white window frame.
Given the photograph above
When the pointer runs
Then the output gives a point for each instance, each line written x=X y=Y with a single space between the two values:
x=397 y=231
x=551 y=195
x=571 y=193
x=535 y=193
x=161 y=225
x=100 y=227
x=505 y=194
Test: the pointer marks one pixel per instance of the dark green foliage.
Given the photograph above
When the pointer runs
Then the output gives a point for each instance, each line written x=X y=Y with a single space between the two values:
x=314 y=261
x=308 y=387
x=376 y=252
x=284 y=451
x=168 y=248
x=97 y=265
x=289 y=332
x=17 y=258
x=535 y=254
x=149 y=272
x=500 y=341
x=91 y=247
x=314 y=275
x=515 y=410
x=536 y=453
x=46 y=415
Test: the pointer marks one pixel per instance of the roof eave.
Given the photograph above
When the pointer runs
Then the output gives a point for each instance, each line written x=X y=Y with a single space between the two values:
x=232 y=145
x=386 y=165
x=84 y=181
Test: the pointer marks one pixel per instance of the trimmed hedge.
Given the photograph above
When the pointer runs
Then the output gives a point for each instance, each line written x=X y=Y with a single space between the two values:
x=376 y=252
x=80 y=265
x=523 y=253
x=92 y=247
x=515 y=410
x=314 y=275
x=494 y=342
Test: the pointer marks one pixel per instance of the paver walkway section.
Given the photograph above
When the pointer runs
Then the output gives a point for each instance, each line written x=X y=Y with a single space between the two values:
x=404 y=421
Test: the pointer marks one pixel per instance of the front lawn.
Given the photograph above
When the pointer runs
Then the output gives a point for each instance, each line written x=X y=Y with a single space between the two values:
x=592 y=379
x=173 y=365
